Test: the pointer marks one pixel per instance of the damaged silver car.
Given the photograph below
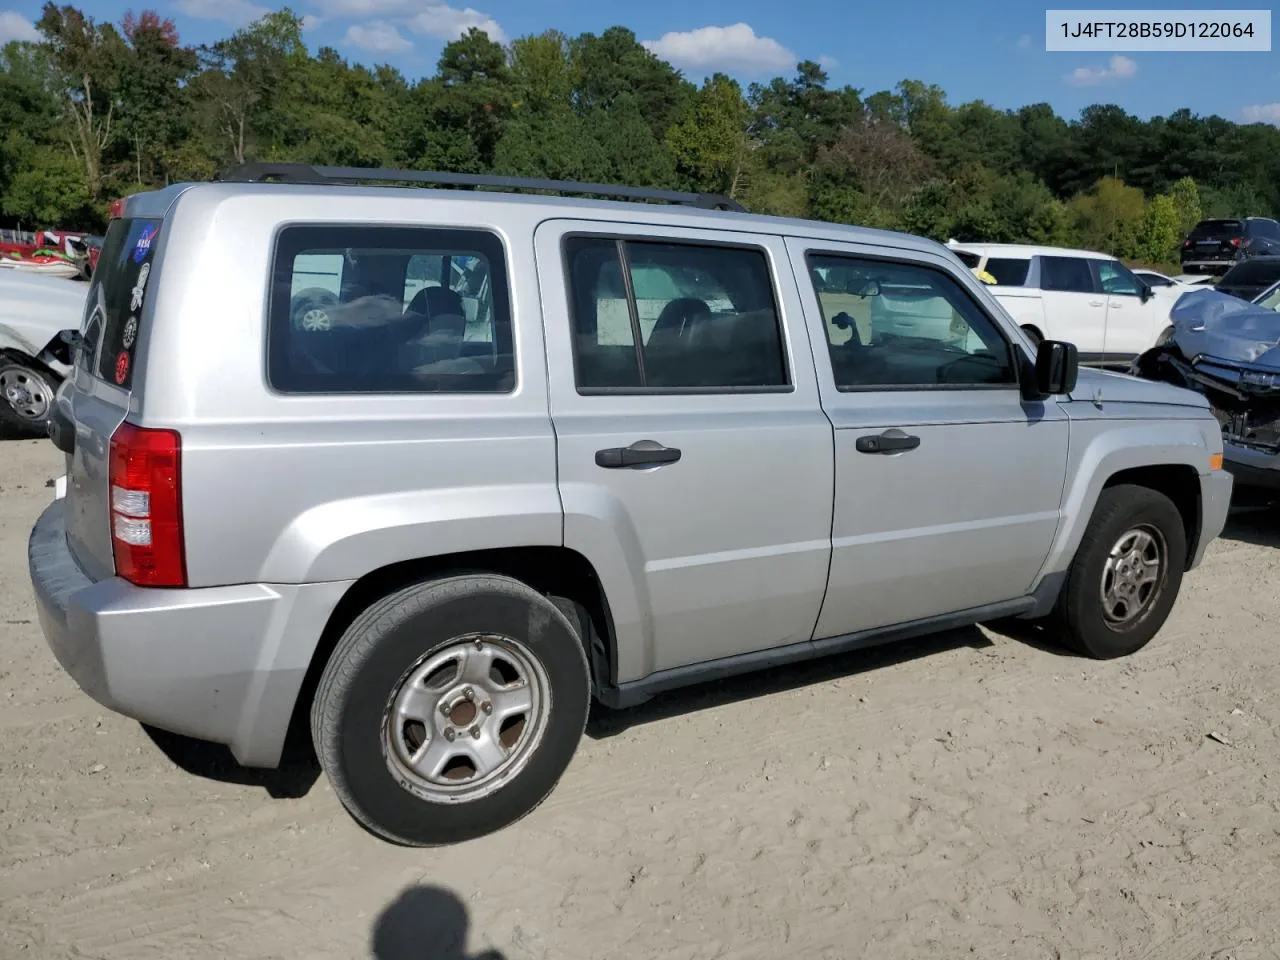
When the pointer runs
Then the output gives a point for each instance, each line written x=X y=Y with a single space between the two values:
x=1228 y=349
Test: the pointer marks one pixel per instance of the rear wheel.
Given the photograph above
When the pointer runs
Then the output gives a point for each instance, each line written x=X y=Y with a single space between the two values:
x=450 y=709
x=1126 y=574
x=26 y=397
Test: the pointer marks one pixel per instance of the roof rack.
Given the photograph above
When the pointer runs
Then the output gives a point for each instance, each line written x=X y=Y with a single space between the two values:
x=308 y=173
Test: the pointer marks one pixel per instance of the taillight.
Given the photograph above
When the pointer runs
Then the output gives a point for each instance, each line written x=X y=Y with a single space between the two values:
x=1186 y=244
x=1235 y=241
x=145 y=476
x=117 y=208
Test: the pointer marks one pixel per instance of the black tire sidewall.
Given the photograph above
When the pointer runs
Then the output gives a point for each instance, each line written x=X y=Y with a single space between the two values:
x=1119 y=509
x=392 y=645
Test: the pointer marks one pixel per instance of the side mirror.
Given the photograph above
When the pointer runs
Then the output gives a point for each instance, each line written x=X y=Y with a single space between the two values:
x=1147 y=293
x=1056 y=369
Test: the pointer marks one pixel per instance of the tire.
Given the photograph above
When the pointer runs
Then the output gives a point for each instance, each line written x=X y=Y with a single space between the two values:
x=309 y=309
x=1081 y=611
x=1165 y=337
x=387 y=659
x=34 y=390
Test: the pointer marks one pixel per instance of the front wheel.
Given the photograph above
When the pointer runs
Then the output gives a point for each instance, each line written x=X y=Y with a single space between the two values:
x=1125 y=577
x=449 y=709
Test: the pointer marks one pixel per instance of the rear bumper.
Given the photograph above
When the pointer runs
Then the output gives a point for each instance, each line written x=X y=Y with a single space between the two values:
x=223 y=664
x=1215 y=500
x=1196 y=265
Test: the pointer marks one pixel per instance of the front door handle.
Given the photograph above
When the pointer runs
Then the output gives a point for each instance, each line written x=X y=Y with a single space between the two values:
x=643 y=453
x=1095 y=303
x=891 y=441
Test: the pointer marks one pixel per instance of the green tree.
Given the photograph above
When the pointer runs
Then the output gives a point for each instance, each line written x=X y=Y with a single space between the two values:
x=1186 y=204
x=709 y=143
x=1158 y=237
x=542 y=71
x=1109 y=218
x=154 y=113
x=614 y=63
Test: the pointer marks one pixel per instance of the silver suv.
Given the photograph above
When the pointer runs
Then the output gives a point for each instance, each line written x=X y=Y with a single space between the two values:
x=436 y=468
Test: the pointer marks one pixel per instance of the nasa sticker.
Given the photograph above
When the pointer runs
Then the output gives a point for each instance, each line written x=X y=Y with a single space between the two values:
x=122 y=366
x=143 y=246
x=130 y=333
x=139 y=288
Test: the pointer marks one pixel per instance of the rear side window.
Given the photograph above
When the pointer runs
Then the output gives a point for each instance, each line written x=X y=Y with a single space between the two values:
x=1267 y=229
x=1217 y=230
x=970 y=260
x=665 y=316
x=1008 y=271
x=367 y=309
x=1066 y=274
x=115 y=300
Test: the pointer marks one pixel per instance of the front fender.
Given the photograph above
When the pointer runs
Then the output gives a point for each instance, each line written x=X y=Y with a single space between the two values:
x=346 y=539
x=1099 y=450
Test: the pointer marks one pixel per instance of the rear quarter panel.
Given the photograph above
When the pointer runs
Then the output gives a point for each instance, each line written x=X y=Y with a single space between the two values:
x=297 y=489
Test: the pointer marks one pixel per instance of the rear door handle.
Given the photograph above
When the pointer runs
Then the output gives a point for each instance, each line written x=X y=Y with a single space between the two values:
x=636 y=456
x=891 y=441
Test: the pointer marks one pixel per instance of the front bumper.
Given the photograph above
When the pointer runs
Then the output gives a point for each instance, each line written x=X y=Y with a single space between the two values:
x=223 y=664
x=1215 y=500
x=1252 y=468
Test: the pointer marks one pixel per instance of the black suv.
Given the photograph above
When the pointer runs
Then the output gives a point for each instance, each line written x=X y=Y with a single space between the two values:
x=1214 y=245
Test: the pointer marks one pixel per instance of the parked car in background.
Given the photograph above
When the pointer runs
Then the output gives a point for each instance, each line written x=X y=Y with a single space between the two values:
x=1156 y=280
x=34 y=358
x=1087 y=298
x=1213 y=246
x=1250 y=277
x=1229 y=350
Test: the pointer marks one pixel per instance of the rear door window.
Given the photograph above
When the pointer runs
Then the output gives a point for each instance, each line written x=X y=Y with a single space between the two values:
x=117 y=294
x=367 y=309
x=1008 y=271
x=1066 y=275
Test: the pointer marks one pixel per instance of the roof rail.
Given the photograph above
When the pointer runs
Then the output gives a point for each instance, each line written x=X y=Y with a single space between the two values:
x=308 y=173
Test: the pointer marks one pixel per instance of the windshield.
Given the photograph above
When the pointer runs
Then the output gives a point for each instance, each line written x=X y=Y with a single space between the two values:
x=1270 y=298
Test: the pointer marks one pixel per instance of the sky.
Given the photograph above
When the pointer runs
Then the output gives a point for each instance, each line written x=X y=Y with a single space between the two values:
x=992 y=51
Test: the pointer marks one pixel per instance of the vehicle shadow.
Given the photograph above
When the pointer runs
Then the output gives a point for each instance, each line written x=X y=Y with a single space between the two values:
x=424 y=923
x=293 y=779
x=1255 y=523
x=604 y=722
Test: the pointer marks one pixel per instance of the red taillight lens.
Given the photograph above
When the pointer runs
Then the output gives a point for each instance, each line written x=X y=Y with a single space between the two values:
x=1235 y=241
x=1186 y=243
x=145 y=475
x=117 y=208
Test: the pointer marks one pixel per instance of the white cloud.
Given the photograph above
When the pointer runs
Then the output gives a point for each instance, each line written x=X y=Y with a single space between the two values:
x=1262 y=113
x=828 y=63
x=377 y=37
x=310 y=21
x=235 y=12
x=1024 y=42
x=735 y=48
x=449 y=23
x=14 y=26
x=1117 y=68
x=436 y=19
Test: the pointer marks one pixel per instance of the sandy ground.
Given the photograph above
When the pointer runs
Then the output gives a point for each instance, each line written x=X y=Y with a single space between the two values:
x=971 y=795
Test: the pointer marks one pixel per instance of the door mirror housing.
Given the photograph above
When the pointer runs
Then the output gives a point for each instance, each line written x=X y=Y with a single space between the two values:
x=1055 y=371
x=1145 y=292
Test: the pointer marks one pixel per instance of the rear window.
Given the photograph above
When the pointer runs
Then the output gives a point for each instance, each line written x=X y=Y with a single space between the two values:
x=1217 y=230
x=1008 y=272
x=115 y=300
x=366 y=309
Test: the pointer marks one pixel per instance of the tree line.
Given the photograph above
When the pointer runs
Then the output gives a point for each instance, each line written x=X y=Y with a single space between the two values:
x=96 y=110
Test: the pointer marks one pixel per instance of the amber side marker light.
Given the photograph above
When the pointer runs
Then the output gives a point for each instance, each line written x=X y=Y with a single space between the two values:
x=1215 y=461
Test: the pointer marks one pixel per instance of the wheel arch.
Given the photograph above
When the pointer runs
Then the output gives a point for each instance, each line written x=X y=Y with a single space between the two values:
x=563 y=575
